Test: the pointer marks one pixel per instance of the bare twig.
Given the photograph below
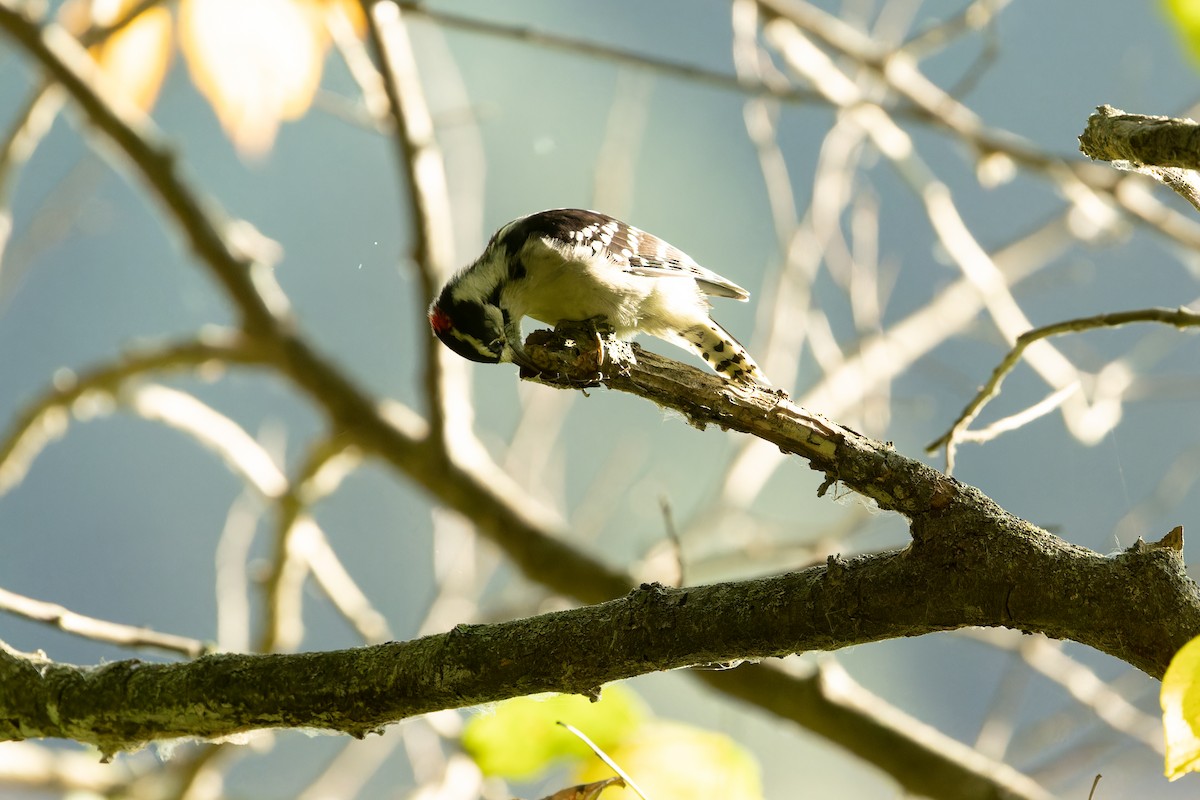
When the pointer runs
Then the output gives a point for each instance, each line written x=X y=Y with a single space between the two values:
x=232 y=579
x=29 y=126
x=99 y=630
x=94 y=391
x=1047 y=658
x=249 y=285
x=820 y=699
x=424 y=178
x=210 y=428
x=1177 y=317
x=672 y=533
x=977 y=15
x=587 y=47
x=301 y=548
x=935 y=106
x=940 y=208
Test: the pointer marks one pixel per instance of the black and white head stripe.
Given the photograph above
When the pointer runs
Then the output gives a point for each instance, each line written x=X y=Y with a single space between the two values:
x=630 y=248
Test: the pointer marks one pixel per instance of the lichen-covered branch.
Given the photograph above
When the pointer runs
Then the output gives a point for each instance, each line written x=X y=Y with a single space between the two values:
x=1113 y=135
x=1165 y=148
x=960 y=536
x=999 y=571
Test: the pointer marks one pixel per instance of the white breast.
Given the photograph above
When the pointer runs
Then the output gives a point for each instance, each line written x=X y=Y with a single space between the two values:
x=574 y=282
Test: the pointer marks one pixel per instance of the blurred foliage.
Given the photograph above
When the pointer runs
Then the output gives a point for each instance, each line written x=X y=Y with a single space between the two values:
x=672 y=760
x=1184 y=16
x=1180 y=698
x=258 y=63
x=520 y=738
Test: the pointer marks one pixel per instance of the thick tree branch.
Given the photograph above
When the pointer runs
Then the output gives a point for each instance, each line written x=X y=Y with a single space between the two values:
x=972 y=562
x=1113 y=135
x=972 y=576
x=1165 y=148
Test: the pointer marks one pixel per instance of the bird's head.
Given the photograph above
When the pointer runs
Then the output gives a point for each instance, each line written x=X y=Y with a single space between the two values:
x=473 y=330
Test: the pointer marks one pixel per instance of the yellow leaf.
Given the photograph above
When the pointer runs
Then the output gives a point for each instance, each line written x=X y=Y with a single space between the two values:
x=520 y=738
x=1180 y=698
x=135 y=58
x=258 y=62
x=353 y=11
x=671 y=760
x=1185 y=16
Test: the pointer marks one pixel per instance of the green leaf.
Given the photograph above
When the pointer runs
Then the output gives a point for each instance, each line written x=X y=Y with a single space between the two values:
x=672 y=760
x=520 y=738
x=1180 y=699
x=1184 y=16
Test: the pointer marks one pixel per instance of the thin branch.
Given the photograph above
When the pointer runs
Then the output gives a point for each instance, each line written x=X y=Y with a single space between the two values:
x=344 y=593
x=977 y=15
x=590 y=48
x=99 y=630
x=1177 y=317
x=934 y=106
x=301 y=549
x=282 y=624
x=249 y=285
x=424 y=179
x=1110 y=706
x=30 y=126
x=213 y=430
x=829 y=702
x=231 y=578
x=94 y=391
x=1022 y=418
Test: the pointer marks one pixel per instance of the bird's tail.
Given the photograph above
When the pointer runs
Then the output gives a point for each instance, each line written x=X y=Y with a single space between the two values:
x=724 y=353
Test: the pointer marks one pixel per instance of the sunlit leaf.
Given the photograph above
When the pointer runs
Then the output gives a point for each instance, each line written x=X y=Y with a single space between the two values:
x=672 y=760
x=135 y=58
x=353 y=11
x=1180 y=698
x=258 y=62
x=520 y=738
x=1184 y=16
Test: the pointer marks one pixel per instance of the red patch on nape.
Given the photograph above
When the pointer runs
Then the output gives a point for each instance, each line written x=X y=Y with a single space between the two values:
x=439 y=320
